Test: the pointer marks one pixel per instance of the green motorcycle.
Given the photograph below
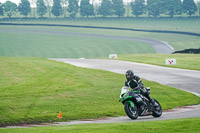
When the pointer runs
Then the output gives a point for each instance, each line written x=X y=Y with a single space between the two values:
x=136 y=104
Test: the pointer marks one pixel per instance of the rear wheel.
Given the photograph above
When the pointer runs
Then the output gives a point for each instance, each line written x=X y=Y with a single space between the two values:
x=157 y=111
x=132 y=112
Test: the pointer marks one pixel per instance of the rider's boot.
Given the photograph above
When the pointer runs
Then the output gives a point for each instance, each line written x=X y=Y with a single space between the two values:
x=142 y=108
x=153 y=103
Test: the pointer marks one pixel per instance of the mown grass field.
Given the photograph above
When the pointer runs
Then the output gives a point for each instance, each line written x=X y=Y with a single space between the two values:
x=38 y=42
x=184 y=61
x=60 y=45
x=167 y=126
x=34 y=90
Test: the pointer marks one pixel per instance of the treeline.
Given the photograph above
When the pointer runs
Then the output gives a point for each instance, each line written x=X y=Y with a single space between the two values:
x=70 y=8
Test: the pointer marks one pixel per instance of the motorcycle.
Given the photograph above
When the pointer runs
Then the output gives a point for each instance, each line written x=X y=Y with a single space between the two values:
x=136 y=104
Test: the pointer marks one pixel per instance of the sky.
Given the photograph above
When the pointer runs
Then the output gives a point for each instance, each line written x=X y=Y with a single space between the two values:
x=18 y=1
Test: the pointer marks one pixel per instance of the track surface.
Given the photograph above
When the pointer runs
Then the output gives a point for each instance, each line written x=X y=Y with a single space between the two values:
x=188 y=80
x=178 y=113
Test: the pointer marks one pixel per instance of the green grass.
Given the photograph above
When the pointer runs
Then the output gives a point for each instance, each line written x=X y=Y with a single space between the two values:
x=60 y=45
x=51 y=45
x=168 y=126
x=185 y=61
x=34 y=90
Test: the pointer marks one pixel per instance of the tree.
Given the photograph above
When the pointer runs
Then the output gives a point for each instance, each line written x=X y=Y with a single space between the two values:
x=48 y=3
x=86 y=9
x=189 y=7
x=24 y=7
x=33 y=4
x=138 y=7
x=173 y=7
x=10 y=8
x=155 y=7
x=128 y=6
x=1 y=9
x=64 y=7
x=118 y=7
x=105 y=8
x=73 y=8
x=95 y=5
x=41 y=8
x=56 y=9
x=198 y=6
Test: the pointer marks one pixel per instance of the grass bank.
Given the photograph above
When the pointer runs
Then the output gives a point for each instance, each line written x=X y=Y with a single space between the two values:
x=34 y=90
x=185 y=61
x=46 y=42
x=168 y=126
x=51 y=42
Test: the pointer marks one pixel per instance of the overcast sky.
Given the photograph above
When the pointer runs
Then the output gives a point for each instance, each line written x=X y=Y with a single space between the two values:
x=18 y=1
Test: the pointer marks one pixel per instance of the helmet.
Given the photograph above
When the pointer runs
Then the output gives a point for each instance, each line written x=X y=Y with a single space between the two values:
x=129 y=75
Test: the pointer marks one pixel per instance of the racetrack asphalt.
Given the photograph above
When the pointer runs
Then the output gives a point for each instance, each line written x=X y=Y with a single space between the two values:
x=188 y=80
x=177 y=113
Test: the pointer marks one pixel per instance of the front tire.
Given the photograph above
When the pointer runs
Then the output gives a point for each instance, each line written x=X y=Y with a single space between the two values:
x=157 y=111
x=132 y=112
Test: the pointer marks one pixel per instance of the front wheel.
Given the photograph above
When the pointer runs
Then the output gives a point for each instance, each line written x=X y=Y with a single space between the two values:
x=157 y=111
x=132 y=112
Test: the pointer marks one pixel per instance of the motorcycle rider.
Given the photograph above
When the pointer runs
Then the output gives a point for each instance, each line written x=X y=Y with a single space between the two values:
x=134 y=82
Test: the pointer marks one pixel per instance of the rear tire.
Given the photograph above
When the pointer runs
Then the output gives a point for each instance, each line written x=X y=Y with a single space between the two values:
x=157 y=112
x=132 y=112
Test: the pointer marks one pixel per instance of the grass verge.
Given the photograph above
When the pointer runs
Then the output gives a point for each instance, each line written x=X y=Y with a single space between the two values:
x=168 y=126
x=34 y=90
